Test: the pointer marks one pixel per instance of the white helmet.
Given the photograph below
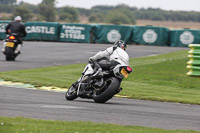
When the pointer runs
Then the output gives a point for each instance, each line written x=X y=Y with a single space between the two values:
x=18 y=18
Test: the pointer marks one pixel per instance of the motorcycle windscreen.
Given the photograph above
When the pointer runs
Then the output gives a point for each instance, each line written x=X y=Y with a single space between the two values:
x=10 y=44
x=124 y=73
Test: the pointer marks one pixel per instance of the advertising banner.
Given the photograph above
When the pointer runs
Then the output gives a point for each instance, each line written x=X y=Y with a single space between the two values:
x=80 y=33
x=47 y=31
x=112 y=33
x=150 y=35
x=184 y=37
x=3 y=25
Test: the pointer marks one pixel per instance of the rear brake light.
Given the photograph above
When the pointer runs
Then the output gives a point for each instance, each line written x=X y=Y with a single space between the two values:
x=12 y=37
x=129 y=69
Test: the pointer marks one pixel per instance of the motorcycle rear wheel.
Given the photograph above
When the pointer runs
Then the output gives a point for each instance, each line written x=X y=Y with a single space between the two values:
x=71 y=93
x=9 y=54
x=112 y=88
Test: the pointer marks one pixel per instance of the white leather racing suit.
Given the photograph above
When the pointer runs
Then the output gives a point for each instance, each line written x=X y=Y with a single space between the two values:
x=113 y=53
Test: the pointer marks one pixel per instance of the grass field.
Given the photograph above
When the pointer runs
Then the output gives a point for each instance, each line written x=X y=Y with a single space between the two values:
x=170 y=24
x=160 y=78
x=25 y=125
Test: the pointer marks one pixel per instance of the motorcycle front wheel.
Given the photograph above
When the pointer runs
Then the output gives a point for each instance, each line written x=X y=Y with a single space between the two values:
x=71 y=93
x=111 y=88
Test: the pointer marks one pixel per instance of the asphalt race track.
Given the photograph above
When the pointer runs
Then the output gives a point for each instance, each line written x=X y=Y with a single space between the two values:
x=43 y=54
x=53 y=106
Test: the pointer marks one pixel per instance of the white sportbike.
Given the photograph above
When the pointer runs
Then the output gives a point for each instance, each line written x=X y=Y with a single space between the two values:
x=99 y=88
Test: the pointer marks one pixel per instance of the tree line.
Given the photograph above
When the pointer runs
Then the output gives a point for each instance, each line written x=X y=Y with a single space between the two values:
x=120 y=14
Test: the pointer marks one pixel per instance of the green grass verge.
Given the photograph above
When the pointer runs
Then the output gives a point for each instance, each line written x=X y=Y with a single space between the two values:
x=160 y=78
x=26 y=125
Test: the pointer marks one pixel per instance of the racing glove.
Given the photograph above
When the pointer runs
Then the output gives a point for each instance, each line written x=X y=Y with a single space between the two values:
x=91 y=59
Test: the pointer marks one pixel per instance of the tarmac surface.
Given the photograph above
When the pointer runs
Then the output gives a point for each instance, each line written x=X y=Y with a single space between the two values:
x=44 y=54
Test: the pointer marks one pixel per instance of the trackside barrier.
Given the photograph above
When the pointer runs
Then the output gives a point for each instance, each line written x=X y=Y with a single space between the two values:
x=184 y=37
x=47 y=31
x=97 y=33
x=3 y=25
x=194 y=62
x=80 y=33
x=111 y=33
x=150 y=35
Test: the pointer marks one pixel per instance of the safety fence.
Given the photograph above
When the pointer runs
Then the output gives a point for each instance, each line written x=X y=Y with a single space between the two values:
x=182 y=38
x=42 y=31
x=111 y=33
x=75 y=33
x=96 y=33
x=149 y=35
x=194 y=60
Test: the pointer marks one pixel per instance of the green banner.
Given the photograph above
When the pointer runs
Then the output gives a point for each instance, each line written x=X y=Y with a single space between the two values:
x=149 y=35
x=79 y=33
x=3 y=25
x=182 y=38
x=111 y=33
x=47 y=31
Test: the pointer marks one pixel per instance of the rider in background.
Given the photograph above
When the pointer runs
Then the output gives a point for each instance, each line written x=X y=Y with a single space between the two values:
x=17 y=29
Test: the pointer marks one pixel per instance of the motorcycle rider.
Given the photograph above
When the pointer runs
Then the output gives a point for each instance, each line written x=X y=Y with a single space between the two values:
x=95 y=82
x=18 y=29
x=109 y=58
